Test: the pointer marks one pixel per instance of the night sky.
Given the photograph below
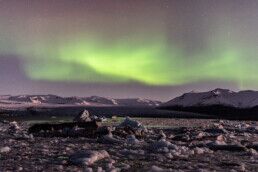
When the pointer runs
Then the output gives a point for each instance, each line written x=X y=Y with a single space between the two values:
x=127 y=48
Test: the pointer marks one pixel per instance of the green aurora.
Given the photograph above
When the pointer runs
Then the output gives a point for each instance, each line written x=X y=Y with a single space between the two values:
x=151 y=62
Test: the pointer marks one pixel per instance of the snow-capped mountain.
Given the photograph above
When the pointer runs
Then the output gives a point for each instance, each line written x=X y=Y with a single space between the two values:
x=138 y=102
x=101 y=100
x=47 y=99
x=89 y=101
x=222 y=97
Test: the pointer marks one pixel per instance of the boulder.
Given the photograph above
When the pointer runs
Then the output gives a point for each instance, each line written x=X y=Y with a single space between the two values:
x=84 y=116
x=128 y=122
x=14 y=126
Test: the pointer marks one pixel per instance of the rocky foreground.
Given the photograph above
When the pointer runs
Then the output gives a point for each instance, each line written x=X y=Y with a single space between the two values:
x=184 y=145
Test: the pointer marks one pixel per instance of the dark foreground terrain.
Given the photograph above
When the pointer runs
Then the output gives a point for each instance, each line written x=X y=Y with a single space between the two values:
x=220 y=111
x=180 y=145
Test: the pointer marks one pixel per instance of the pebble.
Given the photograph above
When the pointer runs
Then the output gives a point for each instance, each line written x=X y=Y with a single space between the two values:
x=169 y=155
x=163 y=143
x=14 y=126
x=200 y=135
x=198 y=150
x=252 y=152
x=88 y=170
x=242 y=167
x=131 y=139
x=162 y=135
x=220 y=138
x=115 y=170
x=88 y=157
x=155 y=168
x=109 y=139
x=5 y=149
x=19 y=169
x=125 y=166
x=109 y=166
x=100 y=169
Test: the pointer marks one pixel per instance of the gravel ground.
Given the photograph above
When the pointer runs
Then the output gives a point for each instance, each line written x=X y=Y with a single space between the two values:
x=182 y=145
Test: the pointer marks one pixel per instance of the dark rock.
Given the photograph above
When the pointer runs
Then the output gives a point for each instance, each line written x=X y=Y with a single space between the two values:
x=104 y=130
x=226 y=147
x=215 y=131
x=65 y=129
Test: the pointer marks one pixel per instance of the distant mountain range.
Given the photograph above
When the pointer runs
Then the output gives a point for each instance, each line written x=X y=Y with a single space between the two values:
x=219 y=102
x=90 y=101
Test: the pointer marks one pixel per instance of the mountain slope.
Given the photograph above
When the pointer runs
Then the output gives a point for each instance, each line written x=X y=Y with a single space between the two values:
x=241 y=99
x=219 y=103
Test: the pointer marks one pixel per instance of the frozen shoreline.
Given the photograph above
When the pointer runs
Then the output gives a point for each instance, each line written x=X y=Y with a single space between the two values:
x=190 y=145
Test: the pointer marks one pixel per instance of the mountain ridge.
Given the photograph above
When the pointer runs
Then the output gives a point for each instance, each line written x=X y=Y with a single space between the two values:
x=92 y=100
